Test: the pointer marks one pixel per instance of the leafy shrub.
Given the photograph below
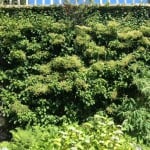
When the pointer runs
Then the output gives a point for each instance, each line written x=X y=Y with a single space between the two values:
x=65 y=65
x=17 y=56
x=98 y=133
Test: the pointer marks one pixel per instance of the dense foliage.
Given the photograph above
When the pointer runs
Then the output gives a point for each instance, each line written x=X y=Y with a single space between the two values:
x=98 y=133
x=56 y=70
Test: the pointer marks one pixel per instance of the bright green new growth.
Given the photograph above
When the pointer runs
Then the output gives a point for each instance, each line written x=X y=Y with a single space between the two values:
x=97 y=133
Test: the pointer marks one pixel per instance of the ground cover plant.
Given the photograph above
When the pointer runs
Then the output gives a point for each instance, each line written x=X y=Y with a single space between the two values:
x=98 y=133
x=57 y=71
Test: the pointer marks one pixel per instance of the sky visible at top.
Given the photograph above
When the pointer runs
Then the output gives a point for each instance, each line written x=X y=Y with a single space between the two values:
x=47 y=2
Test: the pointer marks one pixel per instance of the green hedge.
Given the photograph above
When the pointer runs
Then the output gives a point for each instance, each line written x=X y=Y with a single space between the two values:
x=64 y=64
x=74 y=12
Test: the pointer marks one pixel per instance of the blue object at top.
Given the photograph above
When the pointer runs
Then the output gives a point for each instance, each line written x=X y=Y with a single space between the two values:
x=47 y=2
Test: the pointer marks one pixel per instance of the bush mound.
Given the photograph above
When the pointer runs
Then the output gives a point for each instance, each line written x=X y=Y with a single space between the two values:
x=98 y=133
